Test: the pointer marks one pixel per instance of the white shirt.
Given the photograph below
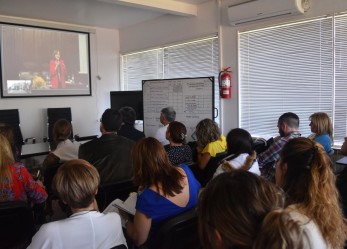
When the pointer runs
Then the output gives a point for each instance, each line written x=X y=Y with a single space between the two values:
x=86 y=229
x=160 y=135
x=313 y=238
x=237 y=163
x=67 y=150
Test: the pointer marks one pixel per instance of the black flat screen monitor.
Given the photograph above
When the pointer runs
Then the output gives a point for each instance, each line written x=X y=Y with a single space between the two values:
x=133 y=99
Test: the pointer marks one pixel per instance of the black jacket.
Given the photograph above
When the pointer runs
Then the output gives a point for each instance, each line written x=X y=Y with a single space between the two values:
x=111 y=156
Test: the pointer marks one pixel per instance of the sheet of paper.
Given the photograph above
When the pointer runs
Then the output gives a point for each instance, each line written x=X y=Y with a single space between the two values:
x=343 y=160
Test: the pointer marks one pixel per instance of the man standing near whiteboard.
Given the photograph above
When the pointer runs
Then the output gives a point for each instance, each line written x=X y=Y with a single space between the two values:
x=167 y=115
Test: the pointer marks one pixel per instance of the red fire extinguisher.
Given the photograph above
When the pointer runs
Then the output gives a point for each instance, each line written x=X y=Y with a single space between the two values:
x=224 y=79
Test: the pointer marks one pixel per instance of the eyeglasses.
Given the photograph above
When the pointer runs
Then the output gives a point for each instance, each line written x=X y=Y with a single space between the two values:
x=100 y=120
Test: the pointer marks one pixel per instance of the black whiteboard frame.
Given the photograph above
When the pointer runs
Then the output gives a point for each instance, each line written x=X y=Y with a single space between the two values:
x=210 y=78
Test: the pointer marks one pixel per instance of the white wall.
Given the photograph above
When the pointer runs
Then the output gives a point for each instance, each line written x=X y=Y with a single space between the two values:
x=86 y=110
x=212 y=18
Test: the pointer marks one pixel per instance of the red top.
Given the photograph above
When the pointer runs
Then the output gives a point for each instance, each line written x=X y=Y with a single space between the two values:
x=23 y=187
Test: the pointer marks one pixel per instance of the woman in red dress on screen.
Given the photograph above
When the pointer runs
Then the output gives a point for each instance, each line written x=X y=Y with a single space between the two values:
x=58 y=71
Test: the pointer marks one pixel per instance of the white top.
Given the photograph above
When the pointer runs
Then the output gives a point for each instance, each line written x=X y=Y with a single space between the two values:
x=160 y=135
x=237 y=163
x=86 y=229
x=313 y=238
x=67 y=150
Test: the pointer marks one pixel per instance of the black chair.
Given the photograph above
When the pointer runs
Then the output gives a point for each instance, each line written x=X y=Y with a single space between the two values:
x=179 y=232
x=10 y=117
x=16 y=224
x=107 y=193
x=53 y=115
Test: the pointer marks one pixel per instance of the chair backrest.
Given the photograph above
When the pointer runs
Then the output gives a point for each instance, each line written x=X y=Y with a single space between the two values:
x=211 y=167
x=53 y=115
x=179 y=232
x=107 y=193
x=11 y=118
x=16 y=224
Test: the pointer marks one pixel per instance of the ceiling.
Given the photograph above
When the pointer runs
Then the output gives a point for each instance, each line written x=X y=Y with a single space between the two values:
x=96 y=13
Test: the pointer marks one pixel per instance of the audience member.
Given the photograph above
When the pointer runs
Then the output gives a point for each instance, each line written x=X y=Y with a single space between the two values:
x=210 y=142
x=280 y=231
x=304 y=173
x=165 y=190
x=7 y=132
x=66 y=149
x=288 y=128
x=110 y=154
x=177 y=151
x=127 y=129
x=76 y=183
x=16 y=182
x=241 y=153
x=322 y=130
x=167 y=115
x=232 y=208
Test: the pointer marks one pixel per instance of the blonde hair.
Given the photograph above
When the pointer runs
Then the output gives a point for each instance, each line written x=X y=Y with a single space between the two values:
x=6 y=159
x=310 y=185
x=76 y=183
x=323 y=123
x=7 y=131
x=279 y=230
x=207 y=131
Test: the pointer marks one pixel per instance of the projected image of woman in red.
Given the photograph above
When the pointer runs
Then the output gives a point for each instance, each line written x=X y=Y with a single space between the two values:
x=57 y=70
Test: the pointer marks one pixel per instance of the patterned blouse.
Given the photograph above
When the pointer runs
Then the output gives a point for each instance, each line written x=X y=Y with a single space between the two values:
x=23 y=187
x=179 y=154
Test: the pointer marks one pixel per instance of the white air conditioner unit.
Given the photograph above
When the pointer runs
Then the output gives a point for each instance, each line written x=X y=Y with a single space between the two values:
x=254 y=10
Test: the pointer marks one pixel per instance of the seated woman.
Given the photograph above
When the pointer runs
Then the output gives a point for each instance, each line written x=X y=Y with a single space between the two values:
x=16 y=183
x=177 y=151
x=304 y=173
x=66 y=150
x=232 y=208
x=76 y=183
x=7 y=131
x=322 y=130
x=241 y=153
x=166 y=190
x=210 y=141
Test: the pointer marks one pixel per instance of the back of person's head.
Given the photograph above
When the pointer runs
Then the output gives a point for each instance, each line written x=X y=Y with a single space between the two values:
x=304 y=173
x=111 y=120
x=280 y=231
x=178 y=132
x=169 y=114
x=239 y=141
x=152 y=166
x=207 y=131
x=322 y=123
x=6 y=159
x=128 y=115
x=62 y=130
x=76 y=183
x=232 y=207
x=7 y=132
x=290 y=118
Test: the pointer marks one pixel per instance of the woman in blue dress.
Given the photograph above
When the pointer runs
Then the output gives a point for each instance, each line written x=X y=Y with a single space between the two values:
x=165 y=190
x=322 y=129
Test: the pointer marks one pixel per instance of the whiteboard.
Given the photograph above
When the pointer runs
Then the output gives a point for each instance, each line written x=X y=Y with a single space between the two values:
x=192 y=99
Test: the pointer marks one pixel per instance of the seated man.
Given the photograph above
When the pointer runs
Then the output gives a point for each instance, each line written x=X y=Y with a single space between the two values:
x=111 y=153
x=128 y=130
x=288 y=127
x=167 y=115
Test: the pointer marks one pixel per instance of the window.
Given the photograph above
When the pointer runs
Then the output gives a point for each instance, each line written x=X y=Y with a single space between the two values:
x=299 y=67
x=191 y=59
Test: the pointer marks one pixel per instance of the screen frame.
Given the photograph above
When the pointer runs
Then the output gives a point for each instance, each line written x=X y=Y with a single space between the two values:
x=59 y=92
